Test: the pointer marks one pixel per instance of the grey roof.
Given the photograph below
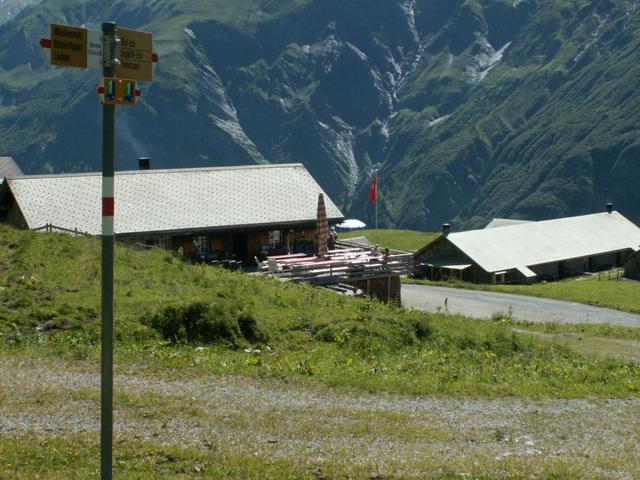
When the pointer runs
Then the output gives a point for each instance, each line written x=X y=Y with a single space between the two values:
x=536 y=243
x=9 y=168
x=364 y=241
x=504 y=222
x=175 y=200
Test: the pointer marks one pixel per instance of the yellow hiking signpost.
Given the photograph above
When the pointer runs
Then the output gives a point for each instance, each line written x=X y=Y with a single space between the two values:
x=118 y=52
x=135 y=54
x=68 y=46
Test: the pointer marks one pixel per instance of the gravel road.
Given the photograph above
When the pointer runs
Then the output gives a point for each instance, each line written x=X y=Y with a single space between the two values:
x=478 y=304
x=315 y=425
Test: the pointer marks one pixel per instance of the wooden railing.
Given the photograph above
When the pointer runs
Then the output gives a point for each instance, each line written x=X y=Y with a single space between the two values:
x=330 y=272
x=49 y=227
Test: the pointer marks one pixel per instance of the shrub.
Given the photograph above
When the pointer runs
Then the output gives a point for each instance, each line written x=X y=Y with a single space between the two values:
x=200 y=322
x=250 y=329
x=423 y=329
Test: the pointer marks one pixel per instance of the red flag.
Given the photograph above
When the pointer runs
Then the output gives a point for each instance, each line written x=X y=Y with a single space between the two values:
x=374 y=189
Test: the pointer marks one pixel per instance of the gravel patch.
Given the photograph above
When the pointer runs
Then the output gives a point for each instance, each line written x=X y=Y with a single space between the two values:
x=275 y=418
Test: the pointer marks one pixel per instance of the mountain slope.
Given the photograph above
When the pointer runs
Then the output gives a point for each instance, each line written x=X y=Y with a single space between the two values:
x=10 y=8
x=470 y=109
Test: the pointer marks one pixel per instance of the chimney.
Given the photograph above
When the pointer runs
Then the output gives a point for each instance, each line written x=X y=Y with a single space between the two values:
x=144 y=163
x=446 y=228
x=609 y=207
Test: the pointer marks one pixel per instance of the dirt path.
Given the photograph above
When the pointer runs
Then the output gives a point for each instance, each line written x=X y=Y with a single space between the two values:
x=404 y=435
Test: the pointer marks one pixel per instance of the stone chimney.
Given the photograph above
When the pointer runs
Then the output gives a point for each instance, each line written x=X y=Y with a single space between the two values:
x=446 y=228
x=609 y=207
x=144 y=163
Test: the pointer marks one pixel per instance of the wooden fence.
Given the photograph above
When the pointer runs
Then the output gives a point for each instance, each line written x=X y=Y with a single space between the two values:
x=332 y=272
x=48 y=227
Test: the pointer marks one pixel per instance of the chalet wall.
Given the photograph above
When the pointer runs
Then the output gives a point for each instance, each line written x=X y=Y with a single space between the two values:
x=547 y=271
x=439 y=249
x=15 y=218
x=570 y=268
x=632 y=267
x=605 y=261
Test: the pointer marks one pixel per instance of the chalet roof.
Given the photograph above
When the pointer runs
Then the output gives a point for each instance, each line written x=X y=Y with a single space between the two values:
x=9 y=168
x=535 y=243
x=175 y=200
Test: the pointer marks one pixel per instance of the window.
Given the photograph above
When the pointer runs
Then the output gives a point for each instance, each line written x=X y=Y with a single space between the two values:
x=164 y=243
x=274 y=238
x=202 y=243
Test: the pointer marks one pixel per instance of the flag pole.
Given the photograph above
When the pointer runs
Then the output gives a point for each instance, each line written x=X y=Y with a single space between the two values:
x=375 y=173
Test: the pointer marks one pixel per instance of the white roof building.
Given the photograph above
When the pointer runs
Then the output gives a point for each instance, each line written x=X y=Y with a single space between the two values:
x=175 y=201
x=525 y=247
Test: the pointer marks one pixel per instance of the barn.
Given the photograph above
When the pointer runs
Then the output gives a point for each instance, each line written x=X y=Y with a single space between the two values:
x=531 y=251
x=221 y=212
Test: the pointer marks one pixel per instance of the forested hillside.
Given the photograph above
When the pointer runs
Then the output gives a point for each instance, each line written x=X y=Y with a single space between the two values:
x=470 y=109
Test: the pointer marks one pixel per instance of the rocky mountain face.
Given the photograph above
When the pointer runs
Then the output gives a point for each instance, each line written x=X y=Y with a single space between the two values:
x=10 y=8
x=470 y=109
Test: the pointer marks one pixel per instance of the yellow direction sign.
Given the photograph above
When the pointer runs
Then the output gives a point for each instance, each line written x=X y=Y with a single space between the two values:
x=68 y=46
x=136 y=54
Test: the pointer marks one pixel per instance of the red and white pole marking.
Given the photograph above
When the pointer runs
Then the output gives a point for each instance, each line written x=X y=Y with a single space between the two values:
x=108 y=206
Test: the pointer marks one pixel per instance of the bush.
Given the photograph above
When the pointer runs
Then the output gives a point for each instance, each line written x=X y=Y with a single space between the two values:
x=200 y=322
x=423 y=329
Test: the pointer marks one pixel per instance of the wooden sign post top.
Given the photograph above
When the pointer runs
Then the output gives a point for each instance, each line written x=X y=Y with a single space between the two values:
x=68 y=46
x=135 y=52
x=82 y=48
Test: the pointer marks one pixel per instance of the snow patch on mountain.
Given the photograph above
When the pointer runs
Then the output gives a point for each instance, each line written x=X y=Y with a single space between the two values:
x=600 y=21
x=235 y=131
x=408 y=7
x=438 y=120
x=484 y=61
x=220 y=108
x=341 y=143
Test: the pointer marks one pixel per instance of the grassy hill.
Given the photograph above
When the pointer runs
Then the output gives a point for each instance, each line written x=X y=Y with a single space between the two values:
x=403 y=240
x=256 y=326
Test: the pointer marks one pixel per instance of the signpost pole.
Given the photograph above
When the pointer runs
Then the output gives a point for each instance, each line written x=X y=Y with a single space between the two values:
x=108 y=146
x=81 y=48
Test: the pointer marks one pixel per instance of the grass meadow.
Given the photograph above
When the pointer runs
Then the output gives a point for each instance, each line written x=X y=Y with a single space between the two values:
x=178 y=320
x=403 y=240
x=165 y=308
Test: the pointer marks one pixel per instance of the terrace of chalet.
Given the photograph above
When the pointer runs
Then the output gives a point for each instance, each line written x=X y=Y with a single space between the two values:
x=359 y=266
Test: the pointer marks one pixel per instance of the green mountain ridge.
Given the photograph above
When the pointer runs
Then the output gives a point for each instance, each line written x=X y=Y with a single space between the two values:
x=470 y=109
